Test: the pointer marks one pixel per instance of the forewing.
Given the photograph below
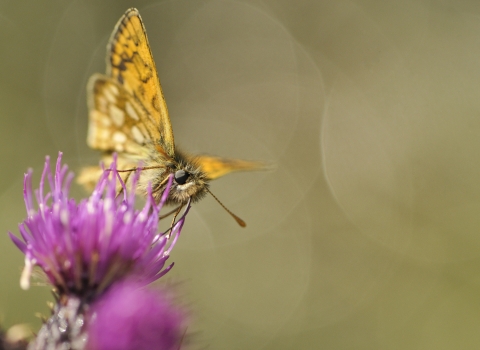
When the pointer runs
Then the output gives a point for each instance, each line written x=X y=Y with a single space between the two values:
x=130 y=63
x=215 y=167
x=117 y=122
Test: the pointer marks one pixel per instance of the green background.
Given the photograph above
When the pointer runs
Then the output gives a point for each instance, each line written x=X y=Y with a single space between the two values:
x=366 y=234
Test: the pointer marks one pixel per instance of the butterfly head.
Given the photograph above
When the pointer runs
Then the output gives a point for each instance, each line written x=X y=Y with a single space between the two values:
x=189 y=182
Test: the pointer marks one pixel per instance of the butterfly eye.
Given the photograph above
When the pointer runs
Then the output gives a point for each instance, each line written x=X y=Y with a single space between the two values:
x=181 y=177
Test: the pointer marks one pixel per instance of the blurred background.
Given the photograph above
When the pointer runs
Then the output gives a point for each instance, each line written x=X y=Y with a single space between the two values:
x=367 y=233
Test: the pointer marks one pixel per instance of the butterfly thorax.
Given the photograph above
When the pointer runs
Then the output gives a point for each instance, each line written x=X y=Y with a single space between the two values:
x=189 y=180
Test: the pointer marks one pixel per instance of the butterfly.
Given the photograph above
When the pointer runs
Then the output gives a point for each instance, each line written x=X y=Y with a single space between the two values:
x=128 y=115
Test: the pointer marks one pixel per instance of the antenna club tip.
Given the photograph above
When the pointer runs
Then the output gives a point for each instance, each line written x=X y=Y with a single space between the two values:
x=237 y=219
x=241 y=222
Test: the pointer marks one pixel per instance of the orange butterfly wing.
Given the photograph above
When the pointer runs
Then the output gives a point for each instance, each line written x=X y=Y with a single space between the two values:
x=215 y=167
x=127 y=110
x=130 y=63
x=117 y=121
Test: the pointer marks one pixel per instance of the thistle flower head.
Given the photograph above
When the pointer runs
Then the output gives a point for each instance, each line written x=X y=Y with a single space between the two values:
x=85 y=247
x=131 y=316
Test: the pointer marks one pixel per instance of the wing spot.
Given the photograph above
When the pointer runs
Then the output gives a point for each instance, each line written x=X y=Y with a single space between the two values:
x=114 y=90
x=118 y=116
x=109 y=95
x=119 y=138
x=100 y=118
x=155 y=103
x=137 y=134
x=102 y=103
x=122 y=66
x=105 y=121
x=141 y=90
x=103 y=134
x=131 y=111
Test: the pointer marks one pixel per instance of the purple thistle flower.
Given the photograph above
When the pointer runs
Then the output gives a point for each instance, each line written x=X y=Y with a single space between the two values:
x=130 y=316
x=99 y=254
x=83 y=248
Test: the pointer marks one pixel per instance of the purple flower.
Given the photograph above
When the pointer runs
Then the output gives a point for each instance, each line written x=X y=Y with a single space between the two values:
x=85 y=247
x=130 y=316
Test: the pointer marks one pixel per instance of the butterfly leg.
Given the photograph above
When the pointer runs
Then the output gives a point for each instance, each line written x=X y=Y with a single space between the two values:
x=182 y=339
x=175 y=211
x=175 y=215
x=169 y=213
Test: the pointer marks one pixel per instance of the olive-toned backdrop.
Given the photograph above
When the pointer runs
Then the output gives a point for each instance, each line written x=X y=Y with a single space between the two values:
x=366 y=235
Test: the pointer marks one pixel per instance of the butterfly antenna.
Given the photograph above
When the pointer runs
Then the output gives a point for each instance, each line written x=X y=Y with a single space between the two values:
x=130 y=171
x=140 y=168
x=237 y=219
